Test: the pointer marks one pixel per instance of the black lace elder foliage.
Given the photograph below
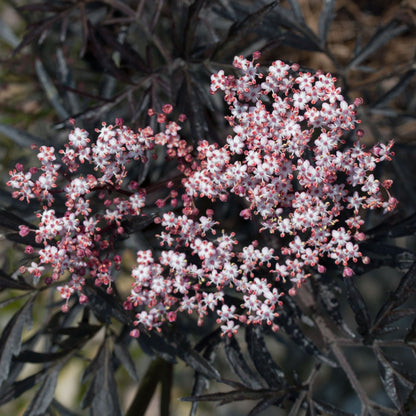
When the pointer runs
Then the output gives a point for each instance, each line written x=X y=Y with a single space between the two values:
x=138 y=55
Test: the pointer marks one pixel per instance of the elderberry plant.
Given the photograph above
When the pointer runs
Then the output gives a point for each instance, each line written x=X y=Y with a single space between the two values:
x=289 y=161
x=261 y=249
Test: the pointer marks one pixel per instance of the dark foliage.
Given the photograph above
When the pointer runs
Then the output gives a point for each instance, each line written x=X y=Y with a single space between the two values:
x=95 y=60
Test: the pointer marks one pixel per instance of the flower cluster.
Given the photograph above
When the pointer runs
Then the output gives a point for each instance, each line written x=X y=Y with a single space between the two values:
x=79 y=242
x=295 y=163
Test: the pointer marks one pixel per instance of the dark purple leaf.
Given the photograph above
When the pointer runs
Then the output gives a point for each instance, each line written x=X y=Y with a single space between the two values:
x=410 y=404
x=325 y=20
x=11 y=338
x=105 y=306
x=396 y=90
x=123 y=355
x=152 y=343
x=36 y=30
x=302 y=42
x=358 y=306
x=380 y=38
x=200 y=364
x=389 y=381
x=44 y=396
x=27 y=239
x=61 y=409
x=102 y=56
x=208 y=345
x=7 y=282
x=396 y=298
x=21 y=137
x=50 y=90
x=411 y=333
x=329 y=409
x=240 y=29
x=266 y=403
x=18 y=388
x=41 y=7
x=41 y=357
x=64 y=76
x=262 y=359
x=406 y=285
x=297 y=11
x=192 y=23
x=127 y=53
x=292 y=329
x=231 y=396
x=101 y=395
x=397 y=314
x=239 y=365
x=328 y=299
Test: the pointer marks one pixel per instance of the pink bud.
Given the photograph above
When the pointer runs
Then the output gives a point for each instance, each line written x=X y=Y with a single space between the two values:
x=83 y=299
x=359 y=236
x=256 y=55
x=127 y=305
x=160 y=203
x=28 y=249
x=23 y=230
x=246 y=214
x=171 y=316
x=167 y=108
x=321 y=269
x=135 y=333
x=365 y=260
x=348 y=272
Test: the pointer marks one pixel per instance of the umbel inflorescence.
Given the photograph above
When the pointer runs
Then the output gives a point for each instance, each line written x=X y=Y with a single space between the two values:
x=293 y=160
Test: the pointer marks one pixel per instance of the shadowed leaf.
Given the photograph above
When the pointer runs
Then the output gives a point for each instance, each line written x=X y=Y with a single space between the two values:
x=11 y=338
x=329 y=409
x=209 y=346
x=358 y=306
x=396 y=90
x=262 y=359
x=325 y=20
x=266 y=403
x=105 y=306
x=21 y=137
x=101 y=395
x=231 y=396
x=389 y=381
x=123 y=355
x=62 y=410
x=50 y=90
x=7 y=282
x=44 y=396
x=297 y=11
x=239 y=29
x=19 y=387
x=380 y=38
x=239 y=365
